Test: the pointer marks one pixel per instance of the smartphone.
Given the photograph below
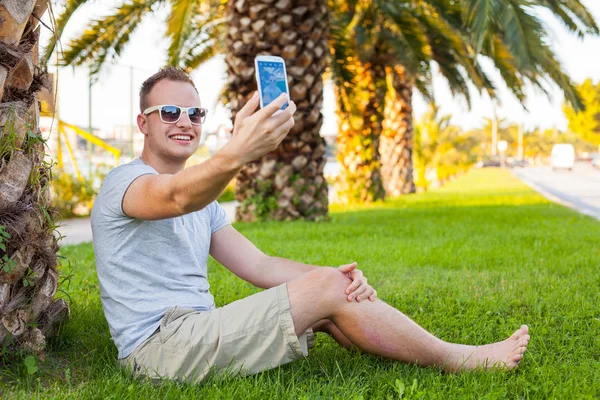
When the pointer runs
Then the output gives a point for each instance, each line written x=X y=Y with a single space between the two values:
x=271 y=78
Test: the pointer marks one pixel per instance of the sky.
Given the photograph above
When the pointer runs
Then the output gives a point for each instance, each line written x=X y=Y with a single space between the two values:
x=118 y=84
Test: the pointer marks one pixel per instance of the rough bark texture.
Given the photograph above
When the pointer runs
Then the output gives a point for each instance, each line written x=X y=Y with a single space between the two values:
x=28 y=263
x=359 y=133
x=287 y=183
x=396 y=145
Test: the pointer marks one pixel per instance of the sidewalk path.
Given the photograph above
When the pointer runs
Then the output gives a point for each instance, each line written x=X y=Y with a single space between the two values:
x=79 y=230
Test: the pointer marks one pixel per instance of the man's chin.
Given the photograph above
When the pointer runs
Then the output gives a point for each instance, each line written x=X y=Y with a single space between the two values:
x=183 y=156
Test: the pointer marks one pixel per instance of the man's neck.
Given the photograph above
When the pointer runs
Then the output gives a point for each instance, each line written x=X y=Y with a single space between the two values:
x=161 y=166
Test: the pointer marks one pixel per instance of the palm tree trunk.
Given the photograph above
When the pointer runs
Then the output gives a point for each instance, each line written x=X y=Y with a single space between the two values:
x=396 y=143
x=28 y=263
x=359 y=133
x=287 y=183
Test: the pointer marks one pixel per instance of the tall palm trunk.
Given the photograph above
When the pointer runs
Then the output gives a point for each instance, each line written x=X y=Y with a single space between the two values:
x=359 y=133
x=396 y=144
x=28 y=262
x=287 y=183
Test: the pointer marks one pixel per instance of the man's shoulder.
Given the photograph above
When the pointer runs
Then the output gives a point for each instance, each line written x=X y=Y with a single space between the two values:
x=132 y=169
x=129 y=167
x=116 y=182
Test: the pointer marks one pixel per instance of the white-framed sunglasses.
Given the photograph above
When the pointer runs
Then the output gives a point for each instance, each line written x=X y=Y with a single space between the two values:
x=170 y=114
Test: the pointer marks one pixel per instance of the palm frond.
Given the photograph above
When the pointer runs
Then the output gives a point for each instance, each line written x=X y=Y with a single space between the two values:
x=452 y=51
x=456 y=80
x=520 y=30
x=409 y=30
x=479 y=15
x=343 y=51
x=107 y=37
x=210 y=49
x=180 y=26
x=573 y=14
x=70 y=7
x=533 y=58
x=548 y=66
x=206 y=43
x=206 y=39
x=505 y=63
x=415 y=66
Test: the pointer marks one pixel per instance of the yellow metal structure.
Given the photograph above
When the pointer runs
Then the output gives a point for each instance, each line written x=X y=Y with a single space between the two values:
x=71 y=154
x=87 y=136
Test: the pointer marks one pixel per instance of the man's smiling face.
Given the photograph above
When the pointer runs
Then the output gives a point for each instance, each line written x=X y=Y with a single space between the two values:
x=177 y=141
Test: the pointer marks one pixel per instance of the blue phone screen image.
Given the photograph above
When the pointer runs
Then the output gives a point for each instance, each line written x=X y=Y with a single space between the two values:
x=272 y=81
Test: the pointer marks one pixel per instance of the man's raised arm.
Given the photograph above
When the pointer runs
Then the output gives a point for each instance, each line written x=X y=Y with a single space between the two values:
x=152 y=197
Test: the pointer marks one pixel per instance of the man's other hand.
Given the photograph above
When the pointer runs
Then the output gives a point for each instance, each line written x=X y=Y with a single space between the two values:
x=359 y=289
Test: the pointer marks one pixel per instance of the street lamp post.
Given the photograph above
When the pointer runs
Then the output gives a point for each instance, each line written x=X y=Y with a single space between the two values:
x=131 y=115
x=494 y=129
x=502 y=146
x=89 y=144
x=520 y=156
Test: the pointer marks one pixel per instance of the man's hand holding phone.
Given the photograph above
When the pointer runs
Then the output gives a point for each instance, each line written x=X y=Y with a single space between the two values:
x=258 y=133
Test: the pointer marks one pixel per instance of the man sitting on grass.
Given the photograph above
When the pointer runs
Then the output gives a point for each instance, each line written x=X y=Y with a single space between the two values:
x=155 y=223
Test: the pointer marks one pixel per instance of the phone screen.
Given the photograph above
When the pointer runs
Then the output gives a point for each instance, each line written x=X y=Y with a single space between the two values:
x=272 y=81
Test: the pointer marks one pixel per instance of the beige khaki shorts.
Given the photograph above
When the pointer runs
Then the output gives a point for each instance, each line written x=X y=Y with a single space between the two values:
x=244 y=337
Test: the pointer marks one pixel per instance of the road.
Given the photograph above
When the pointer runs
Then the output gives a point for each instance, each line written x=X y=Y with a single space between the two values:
x=578 y=189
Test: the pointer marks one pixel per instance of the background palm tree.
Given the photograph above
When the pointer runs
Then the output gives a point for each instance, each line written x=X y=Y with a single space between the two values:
x=396 y=43
x=441 y=150
x=287 y=183
x=28 y=248
x=455 y=34
x=359 y=85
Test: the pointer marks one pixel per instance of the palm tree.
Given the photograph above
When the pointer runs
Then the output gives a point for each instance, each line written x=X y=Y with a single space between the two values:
x=505 y=32
x=441 y=150
x=397 y=142
x=395 y=42
x=287 y=183
x=28 y=249
x=360 y=115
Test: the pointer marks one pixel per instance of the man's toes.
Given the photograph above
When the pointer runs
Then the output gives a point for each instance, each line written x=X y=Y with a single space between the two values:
x=518 y=334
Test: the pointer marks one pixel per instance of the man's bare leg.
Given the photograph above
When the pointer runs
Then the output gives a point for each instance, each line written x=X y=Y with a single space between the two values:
x=377 y=328
x=327 y=326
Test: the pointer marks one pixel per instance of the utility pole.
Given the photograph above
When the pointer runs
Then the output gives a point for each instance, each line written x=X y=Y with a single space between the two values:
x=131 y=113
x=494 y=130
x=520 y=142
x=57 y=117
x=89 y=144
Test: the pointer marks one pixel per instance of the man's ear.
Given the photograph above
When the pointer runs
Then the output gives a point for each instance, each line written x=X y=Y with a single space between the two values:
x=142 y=124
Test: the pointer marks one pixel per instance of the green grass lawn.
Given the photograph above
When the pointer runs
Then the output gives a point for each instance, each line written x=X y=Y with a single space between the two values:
x=469 y=262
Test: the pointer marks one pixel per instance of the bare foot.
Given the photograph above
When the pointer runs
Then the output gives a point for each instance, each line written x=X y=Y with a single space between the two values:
x=506 y=354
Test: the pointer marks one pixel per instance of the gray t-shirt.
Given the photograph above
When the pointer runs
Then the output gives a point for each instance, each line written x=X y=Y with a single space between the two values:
x=145 y=267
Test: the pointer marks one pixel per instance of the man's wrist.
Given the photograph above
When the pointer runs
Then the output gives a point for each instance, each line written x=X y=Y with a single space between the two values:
x=227 y=157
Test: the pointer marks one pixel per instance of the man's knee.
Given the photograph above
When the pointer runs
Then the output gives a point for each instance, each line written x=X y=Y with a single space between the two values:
x=330 y=282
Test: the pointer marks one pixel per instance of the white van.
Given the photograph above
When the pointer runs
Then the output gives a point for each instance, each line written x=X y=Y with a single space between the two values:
x=563 y=156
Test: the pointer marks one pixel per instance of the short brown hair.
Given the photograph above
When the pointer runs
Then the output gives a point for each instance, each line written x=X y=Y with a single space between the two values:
x=170 y=73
